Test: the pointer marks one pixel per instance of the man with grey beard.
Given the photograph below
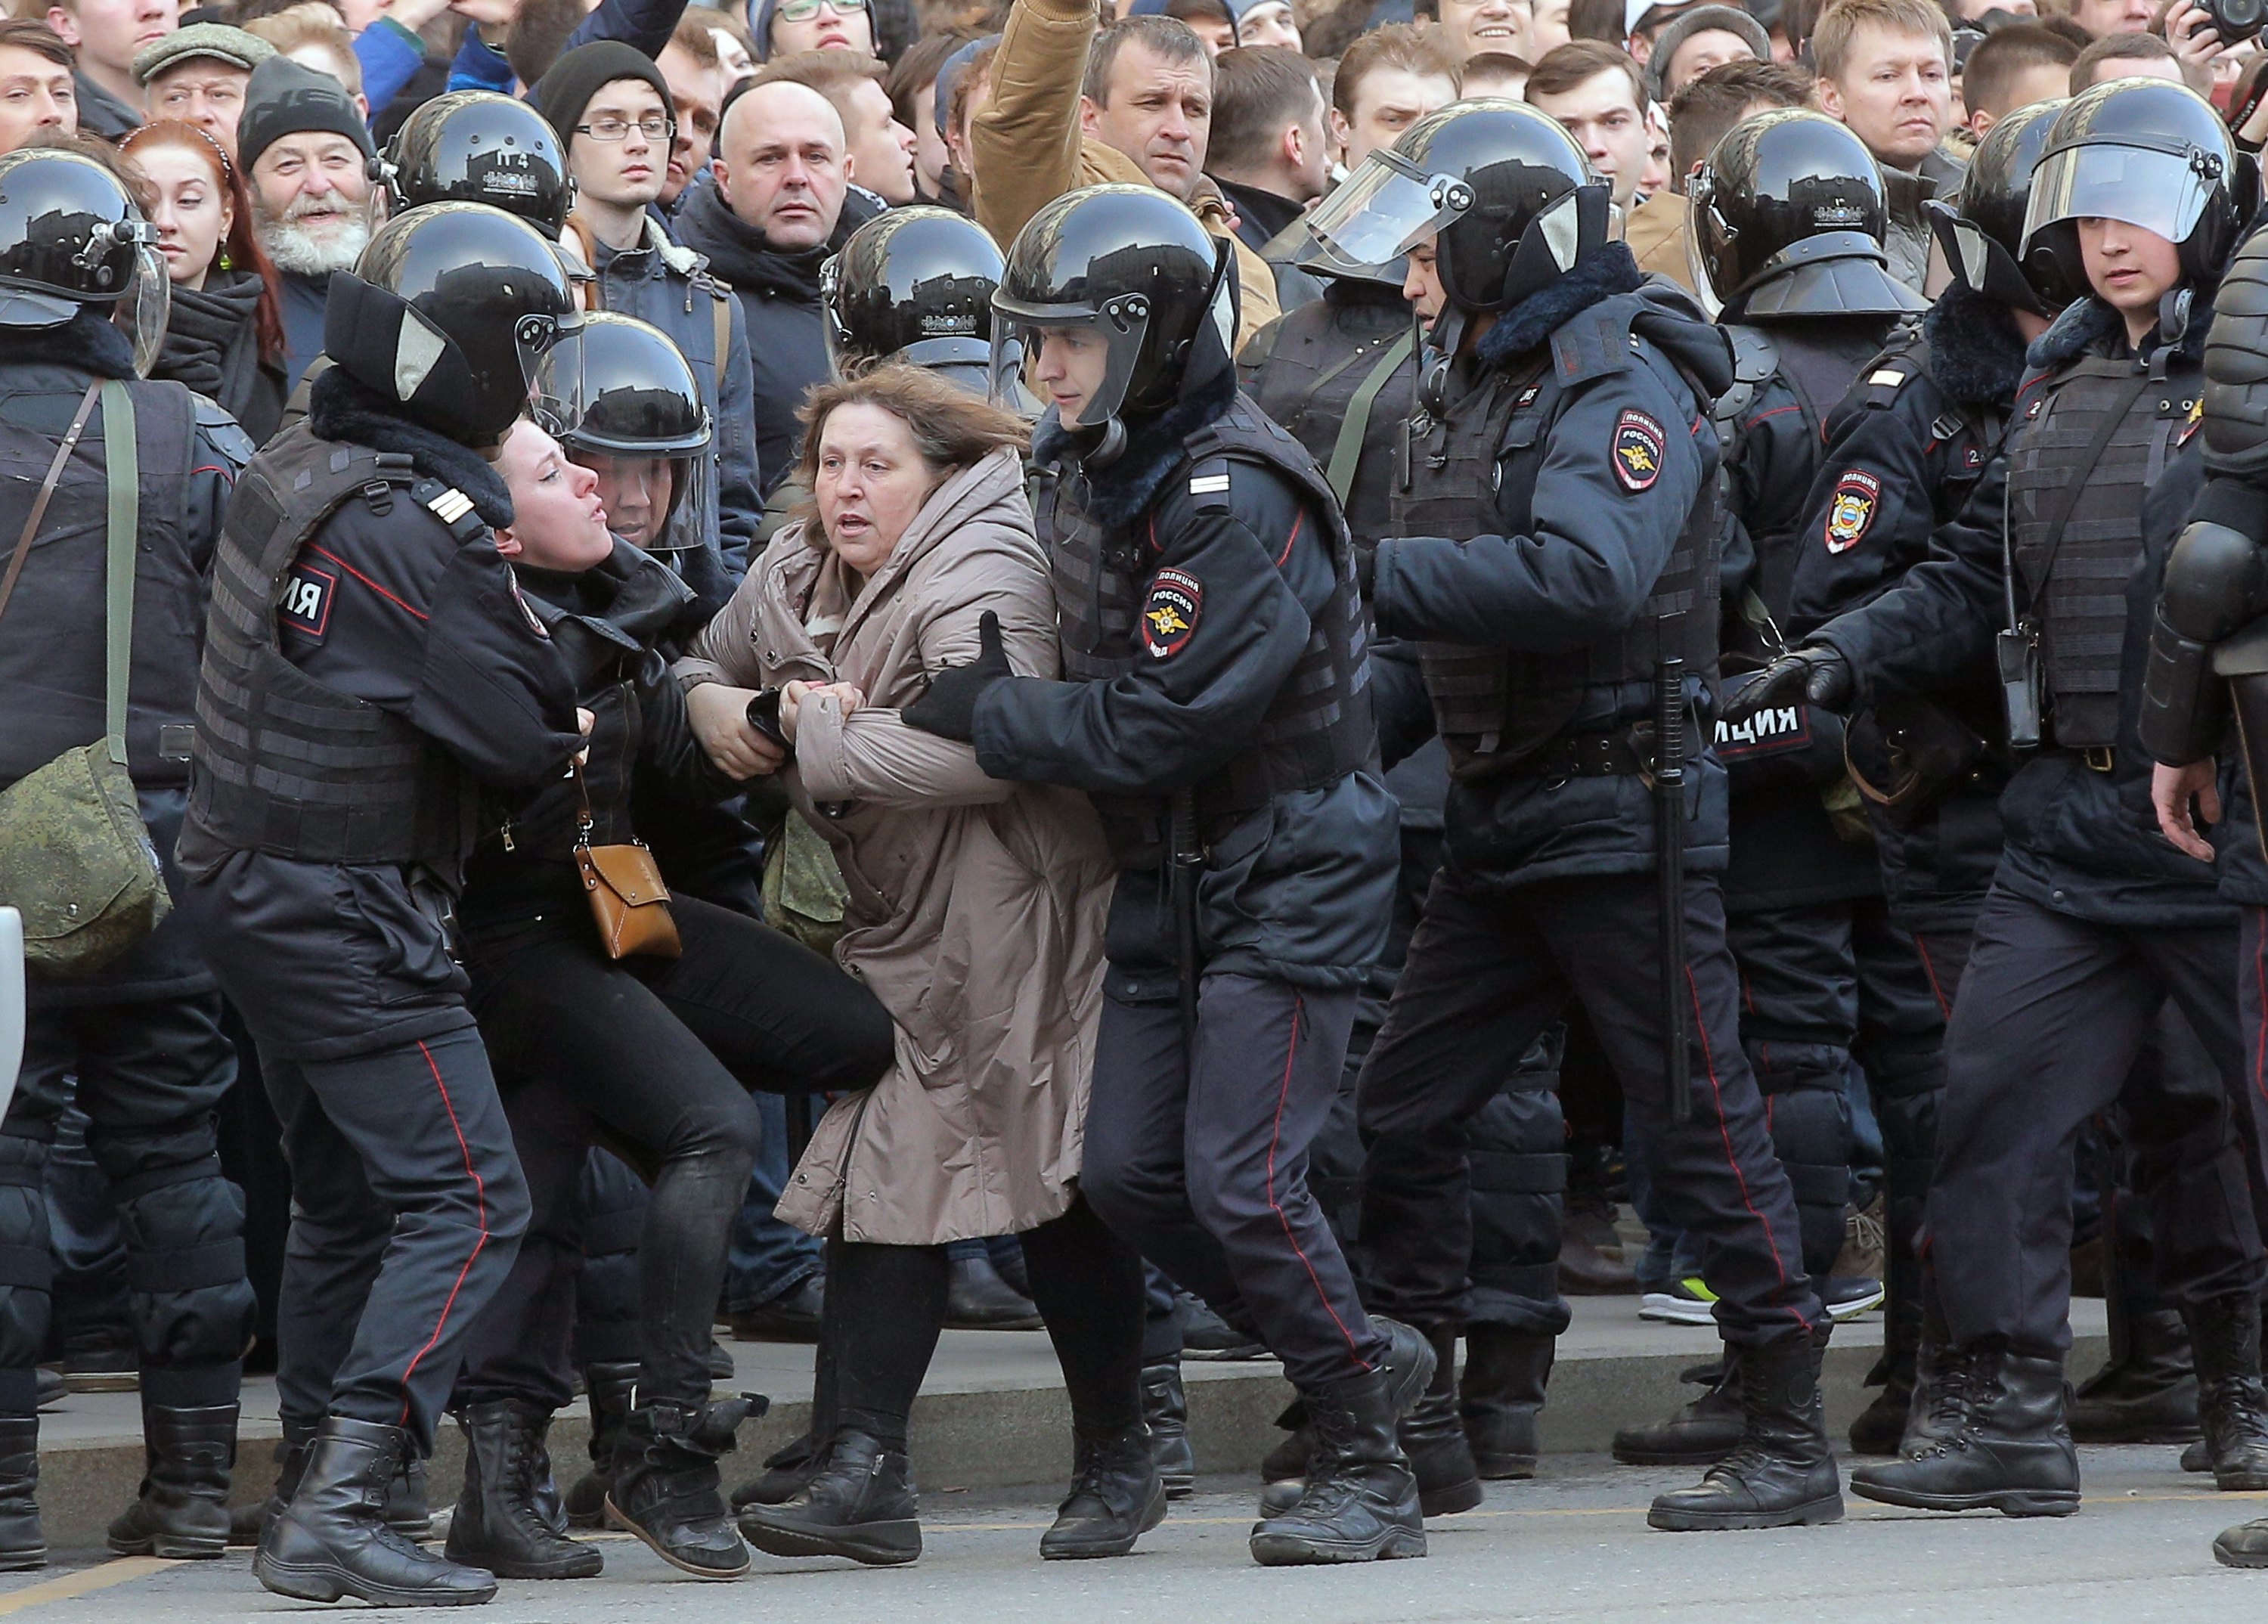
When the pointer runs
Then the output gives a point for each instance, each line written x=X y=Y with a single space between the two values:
x=314 y=199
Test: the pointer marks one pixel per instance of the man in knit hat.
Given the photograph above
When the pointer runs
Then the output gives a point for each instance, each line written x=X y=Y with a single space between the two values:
x=1706 y=37
x=617 y=122
x=312 y=170
x=198 y=74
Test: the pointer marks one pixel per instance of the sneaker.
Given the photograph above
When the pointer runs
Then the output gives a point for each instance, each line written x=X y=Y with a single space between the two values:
x=1864 y=1242
x=1687 y=1302
x=1847 y=1296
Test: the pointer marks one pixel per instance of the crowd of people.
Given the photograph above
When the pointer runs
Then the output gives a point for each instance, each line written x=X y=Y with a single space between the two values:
x=1202 y=678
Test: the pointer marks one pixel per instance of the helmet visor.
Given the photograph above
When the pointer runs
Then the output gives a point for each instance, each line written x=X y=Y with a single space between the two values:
x=657 y=503
x=1386 y=207
x=143 y=309
x=1080 y=361
x=2160 y=192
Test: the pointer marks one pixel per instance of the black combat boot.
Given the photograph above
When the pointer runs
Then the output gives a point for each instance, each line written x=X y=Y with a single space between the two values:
x=2232 y=1404
x=408 y=1511
x=1881 y=1428
x=1166 y=1410
x=2146 y=1392
x=858 y=1504
x=1409 y=1368
x=1703 y=1431
x=247 y=1524
x=1359 y=1501
x=1433 y=1436
x=22 y=1545
x=1782 y=1473
x=183 y=1508
x=1117 y=1494
x=498 y=1524
x=332 y=1539
x=1501 y=1395
x=1994 y=1437
x=608 y=1387
x=667 y=1489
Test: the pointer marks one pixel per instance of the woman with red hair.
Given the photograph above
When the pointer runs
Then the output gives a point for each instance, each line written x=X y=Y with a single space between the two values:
x=224 y=337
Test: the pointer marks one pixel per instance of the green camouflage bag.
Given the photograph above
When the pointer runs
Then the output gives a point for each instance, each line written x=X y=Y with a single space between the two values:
x=804 y=893
x=74 y=856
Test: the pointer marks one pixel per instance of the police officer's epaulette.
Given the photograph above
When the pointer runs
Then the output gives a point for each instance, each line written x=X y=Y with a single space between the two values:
x=452 y=506
x=1884 y=379
x=1591 y=345
x=222 y=432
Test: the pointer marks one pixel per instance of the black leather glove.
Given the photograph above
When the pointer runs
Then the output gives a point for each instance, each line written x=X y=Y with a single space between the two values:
x=1813 y=676
x=949 y=708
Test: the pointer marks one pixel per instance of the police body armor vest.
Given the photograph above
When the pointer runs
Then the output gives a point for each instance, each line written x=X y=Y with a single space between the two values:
x=51 y=649
x=1472 y=472
x=1324 y=355
x=286 y=764
x=1316 y=730
x=2077 y=586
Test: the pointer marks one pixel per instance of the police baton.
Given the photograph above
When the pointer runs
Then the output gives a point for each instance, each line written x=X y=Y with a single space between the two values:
x=1669 y=864
x=1183 y=862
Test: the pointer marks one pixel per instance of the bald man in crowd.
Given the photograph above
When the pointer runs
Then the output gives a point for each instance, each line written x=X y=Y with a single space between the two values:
x=776 y=203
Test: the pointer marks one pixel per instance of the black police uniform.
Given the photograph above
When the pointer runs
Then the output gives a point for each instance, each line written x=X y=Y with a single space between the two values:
x=143 y=1037
x=365 y=632
x=1557 y=536
x=2092 y=920
x=1340 y=373
x=1214 y=643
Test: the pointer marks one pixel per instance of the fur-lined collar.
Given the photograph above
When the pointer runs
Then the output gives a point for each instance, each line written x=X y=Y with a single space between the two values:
x=2088 y=321
x=89 y=342
x=1976 y=354
x=340 y=409
x=1120 y=492
x=1611 y=270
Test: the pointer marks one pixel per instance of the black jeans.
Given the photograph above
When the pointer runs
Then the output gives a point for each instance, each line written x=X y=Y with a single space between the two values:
x=655 y=1057
x=886 y=1305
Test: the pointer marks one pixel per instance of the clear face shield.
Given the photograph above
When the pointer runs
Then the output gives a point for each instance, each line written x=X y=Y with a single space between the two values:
x=2161 y=192
x=1386 y=206
x=146 y=301
x=1079 y=361
x=1702 y=217
x=658 y=503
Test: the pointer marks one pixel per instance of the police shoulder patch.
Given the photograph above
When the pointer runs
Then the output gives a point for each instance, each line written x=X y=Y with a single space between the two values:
x=1857 y=494
x=306 y=606
x=1169 y=615
x=1638 y=445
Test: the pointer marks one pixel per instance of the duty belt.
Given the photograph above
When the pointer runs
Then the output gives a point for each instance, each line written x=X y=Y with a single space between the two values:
x=1626 y=752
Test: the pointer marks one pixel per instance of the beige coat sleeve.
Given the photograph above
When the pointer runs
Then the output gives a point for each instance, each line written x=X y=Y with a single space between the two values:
x=874 y=757
x=726 y=651
x=1026 y=141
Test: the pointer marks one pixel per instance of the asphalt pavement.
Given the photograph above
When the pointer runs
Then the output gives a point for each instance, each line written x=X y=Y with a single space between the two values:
x=1573 y=1544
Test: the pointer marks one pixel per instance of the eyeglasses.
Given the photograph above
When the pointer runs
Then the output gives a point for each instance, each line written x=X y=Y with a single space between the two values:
x=804 y=11
x=653 y=127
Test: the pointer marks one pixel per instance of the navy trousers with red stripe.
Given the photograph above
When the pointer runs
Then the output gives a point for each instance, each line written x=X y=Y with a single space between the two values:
x=408 y=1206
x=2052 y=1015
x=1201 y=1163
x=1489 y=971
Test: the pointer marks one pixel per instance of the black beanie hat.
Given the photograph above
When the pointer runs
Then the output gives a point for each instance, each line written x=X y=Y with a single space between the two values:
x=283 y=99
x=563 y=93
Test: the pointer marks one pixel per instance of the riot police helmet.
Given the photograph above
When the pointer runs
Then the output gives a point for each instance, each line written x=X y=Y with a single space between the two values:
x=447 y=314
x=1503 y=190
x=2148 y=153
x=1982 y=234
x=70 y=237
x=1125 y=275
x=1789 y=214
x=477 y=147
x=914 y=285
x=620 y=397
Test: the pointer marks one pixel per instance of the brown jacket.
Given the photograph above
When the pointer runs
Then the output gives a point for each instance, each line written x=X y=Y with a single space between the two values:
x=976 y=906
x=1655 y=231
x=1028 y=150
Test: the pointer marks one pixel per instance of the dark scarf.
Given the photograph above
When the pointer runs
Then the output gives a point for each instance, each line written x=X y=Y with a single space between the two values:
x=744 y=257
x=89 y=342
x=340 y=409
x=1121 y=492
x=212 y=338
x=1611 y=270
x=1976 y=354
